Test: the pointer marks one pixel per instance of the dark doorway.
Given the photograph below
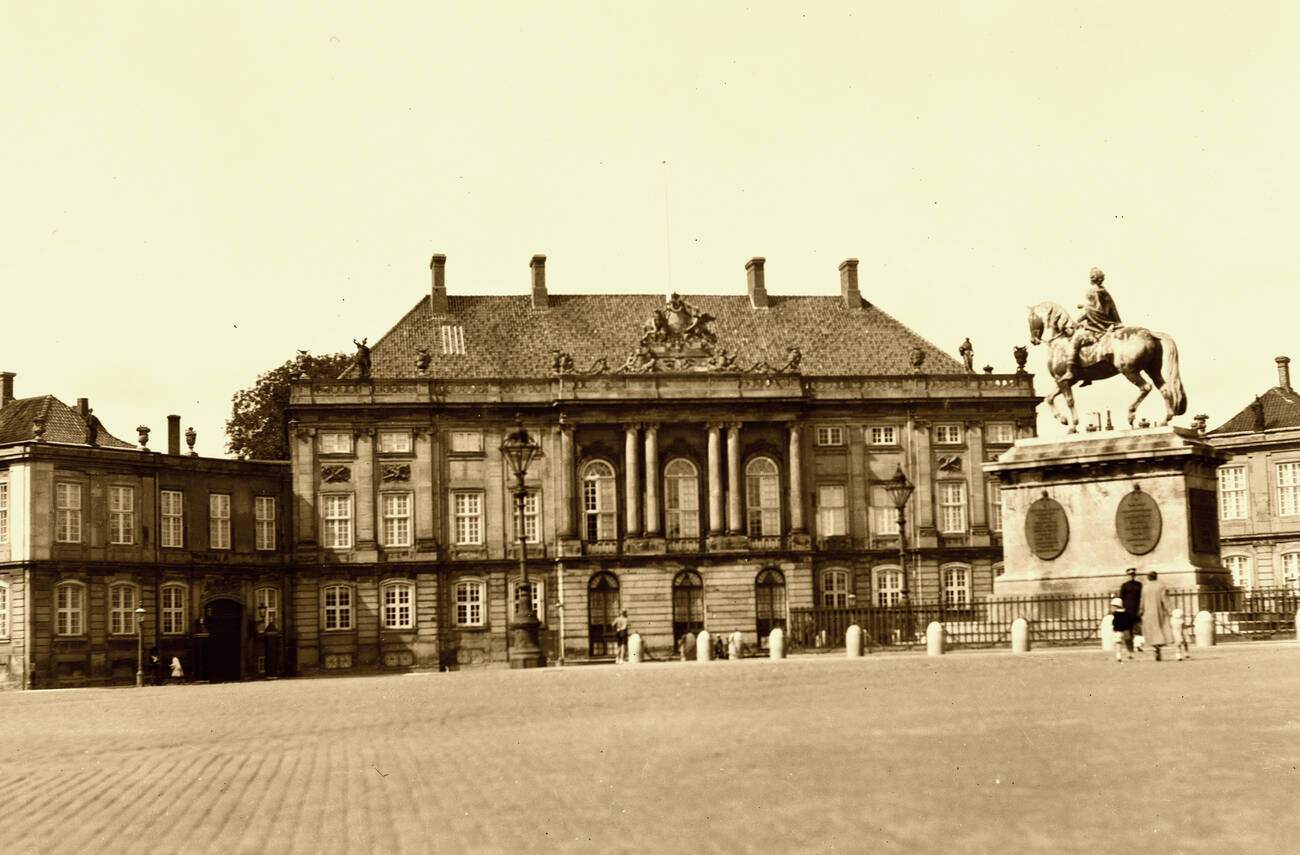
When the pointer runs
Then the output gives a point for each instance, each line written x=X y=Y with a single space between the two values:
x=225 y=622
x=602 y=609
x=769 y=602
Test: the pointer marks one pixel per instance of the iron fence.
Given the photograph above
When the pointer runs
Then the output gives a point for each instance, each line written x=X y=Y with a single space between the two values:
x=1053 y=618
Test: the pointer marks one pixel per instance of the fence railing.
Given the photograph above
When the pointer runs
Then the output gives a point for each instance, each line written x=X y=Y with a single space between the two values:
x=1053 y=618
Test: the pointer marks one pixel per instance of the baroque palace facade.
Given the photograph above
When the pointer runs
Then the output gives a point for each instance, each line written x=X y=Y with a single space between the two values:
x=706 y=462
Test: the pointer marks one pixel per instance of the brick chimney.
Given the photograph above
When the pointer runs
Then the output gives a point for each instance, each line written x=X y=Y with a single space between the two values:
x=438 y=297
x=754 y=278
x=174 y=435
x=1283 y=371
x=538 y=266
x=83 y=407
x=849 y=283
x=6 y=387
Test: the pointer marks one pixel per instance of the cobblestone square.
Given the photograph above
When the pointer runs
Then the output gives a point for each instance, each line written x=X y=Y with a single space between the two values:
x=1060 y=750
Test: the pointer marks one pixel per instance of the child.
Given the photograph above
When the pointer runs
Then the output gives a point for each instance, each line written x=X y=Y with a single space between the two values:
x=1178 y=635
x=1122 y=626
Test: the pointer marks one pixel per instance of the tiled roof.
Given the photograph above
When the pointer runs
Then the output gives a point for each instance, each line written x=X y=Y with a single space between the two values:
x=504 y=336
x=62 y=423
x=1277 y=408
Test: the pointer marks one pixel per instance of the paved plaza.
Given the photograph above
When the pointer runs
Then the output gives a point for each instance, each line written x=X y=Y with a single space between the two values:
x=1058 y=751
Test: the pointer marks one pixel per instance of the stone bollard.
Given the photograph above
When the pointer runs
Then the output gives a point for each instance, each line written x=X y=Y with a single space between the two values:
x=634 y=648
x=1204 y=625
x=934 y=639
x=735 y=646
x=1020 y=635
x=853 y=641
x=776 y=644
x=704 y=646
x=1107 y=633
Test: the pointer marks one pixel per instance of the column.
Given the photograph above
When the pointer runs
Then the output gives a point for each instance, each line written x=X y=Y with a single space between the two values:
x=652 y=480
x=715 y=479
x=734 y=481
x=631 y=470
x=564 y=479
x=796 y=479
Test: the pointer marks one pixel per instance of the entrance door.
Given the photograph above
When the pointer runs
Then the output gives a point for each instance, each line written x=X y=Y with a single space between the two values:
x=602 y=609
x=769 y=603
x=225 y=622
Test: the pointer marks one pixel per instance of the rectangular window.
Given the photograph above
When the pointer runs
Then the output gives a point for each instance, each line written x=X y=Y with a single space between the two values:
x=884 y=435
x=1002 y=433
x=67 y=505
x=218 y=521
x=952 y=507
x=947 y=434
x=173 y=519
x=956 y=586
x=1239 y=567
x=121 y=610
x=4 y=511
x=336 y=442
x=397 y=519
x=889 y=587
x=268 y=607
x=4 y=610
x=995 y=507
x=1288 y=489
x=532 y=531
x=397 y=606
x=173 y=609
x=533 y=591
x=832 y=514
x=830 y=435
x=338 y=521
x=453 y=340
x=338 y=607
x=1232 y=492
x=121 y=515
x=394 y=442
x=466 y=442
x=264 y=517
x=884 y=516
x=468 y=525
x=469 y=603
x=69 y=602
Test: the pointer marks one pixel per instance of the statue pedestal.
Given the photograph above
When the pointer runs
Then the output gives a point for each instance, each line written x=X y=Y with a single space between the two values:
x=1078 y=510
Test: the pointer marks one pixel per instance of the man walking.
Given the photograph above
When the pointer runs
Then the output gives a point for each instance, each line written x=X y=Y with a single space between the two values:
x=1155 y=613
x=1130 y=593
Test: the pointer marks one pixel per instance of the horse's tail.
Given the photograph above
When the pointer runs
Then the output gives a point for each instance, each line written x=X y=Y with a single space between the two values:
x=1172 y=389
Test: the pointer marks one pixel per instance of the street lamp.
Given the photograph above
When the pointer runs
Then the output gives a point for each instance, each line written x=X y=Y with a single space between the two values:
x=900 y=490
x=520 y=448
x=139 y=647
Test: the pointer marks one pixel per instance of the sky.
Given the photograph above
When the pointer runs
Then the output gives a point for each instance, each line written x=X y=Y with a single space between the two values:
x=193 y=193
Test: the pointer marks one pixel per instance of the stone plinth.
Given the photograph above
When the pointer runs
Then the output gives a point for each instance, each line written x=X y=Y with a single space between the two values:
x=1078 y=510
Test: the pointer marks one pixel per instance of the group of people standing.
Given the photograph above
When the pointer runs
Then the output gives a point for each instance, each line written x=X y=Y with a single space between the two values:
x=1142 y=612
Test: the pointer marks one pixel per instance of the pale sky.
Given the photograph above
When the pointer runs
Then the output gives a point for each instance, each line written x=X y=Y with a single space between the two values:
x=193 y=192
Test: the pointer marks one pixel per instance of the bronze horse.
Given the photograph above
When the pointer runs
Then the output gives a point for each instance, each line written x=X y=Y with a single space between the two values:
x=1126 y=350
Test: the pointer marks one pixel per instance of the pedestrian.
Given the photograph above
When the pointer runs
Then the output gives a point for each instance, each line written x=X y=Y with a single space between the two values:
x=155 y=667
x=1131 y=593
x=719 y=647
x=687 y=646
x=1178 y=636
x=178 y=673
x=1122 y=625
x=1154 y=613
x=620 y=638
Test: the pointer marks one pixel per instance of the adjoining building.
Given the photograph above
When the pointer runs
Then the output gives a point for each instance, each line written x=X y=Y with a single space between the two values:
x=1259 y=488
x=708 y=461
x=93 y=529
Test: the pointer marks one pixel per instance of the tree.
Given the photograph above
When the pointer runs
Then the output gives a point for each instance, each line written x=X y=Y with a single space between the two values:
x=256 y=427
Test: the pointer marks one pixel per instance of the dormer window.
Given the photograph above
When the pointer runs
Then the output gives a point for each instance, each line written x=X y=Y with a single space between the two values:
x=453 y=340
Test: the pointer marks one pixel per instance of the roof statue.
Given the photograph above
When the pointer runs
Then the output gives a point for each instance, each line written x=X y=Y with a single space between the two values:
x=1097 y=346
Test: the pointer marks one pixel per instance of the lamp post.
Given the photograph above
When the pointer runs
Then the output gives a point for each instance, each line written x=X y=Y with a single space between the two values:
x=139 y=647
x=520 y=448
x=900 y=490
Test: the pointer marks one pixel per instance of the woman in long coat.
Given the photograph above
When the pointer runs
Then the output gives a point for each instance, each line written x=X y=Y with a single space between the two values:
x=1155 y=613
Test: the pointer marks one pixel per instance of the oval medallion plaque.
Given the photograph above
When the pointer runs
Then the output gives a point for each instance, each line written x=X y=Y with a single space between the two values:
x=1137 y=522
x=1047 y=530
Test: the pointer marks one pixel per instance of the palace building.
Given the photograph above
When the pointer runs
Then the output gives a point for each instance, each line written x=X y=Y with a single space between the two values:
x=707 y=461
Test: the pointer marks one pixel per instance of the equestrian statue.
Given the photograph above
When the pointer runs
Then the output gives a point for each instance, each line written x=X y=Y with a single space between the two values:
x=1098 y=345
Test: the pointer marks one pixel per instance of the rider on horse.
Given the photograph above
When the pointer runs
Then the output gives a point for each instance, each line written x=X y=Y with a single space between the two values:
x=1098 y=317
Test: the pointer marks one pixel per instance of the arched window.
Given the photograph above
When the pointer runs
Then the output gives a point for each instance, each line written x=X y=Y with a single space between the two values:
x=835 y=588
x=69 y=608
x=599 y=503
x=4 y=609
x=602 y=607
x=681 y=499
x=688 y=604
x=122 y=598
x=172 y=613
x=471 y=602
x=763 y=497
x=769 y=603
x=398 y=597
x=267 y=602
x=888 y=585
x=1239 y=567
x=1291 y=570
x=336 y=603
x=535 y=591
x=956 y=585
